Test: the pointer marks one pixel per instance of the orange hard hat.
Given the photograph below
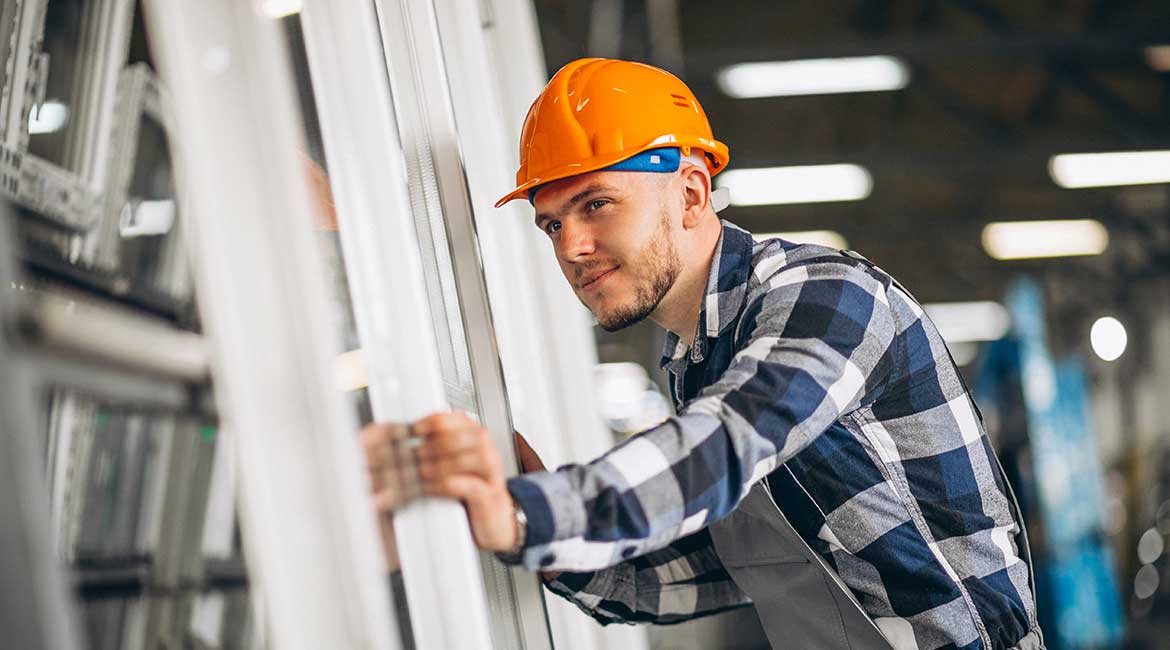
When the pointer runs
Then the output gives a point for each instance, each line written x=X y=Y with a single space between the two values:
x=597 y=112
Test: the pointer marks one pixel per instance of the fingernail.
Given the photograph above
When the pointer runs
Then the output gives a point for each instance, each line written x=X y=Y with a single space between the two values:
x=407 y=444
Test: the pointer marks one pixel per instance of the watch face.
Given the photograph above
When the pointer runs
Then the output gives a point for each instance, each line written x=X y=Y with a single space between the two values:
x=521 y=527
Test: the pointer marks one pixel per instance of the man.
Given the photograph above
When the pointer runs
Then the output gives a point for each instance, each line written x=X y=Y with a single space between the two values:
x=826 y=463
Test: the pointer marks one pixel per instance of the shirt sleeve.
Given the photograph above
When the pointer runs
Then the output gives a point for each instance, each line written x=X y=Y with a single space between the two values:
x=814 y=341
x=682 y=581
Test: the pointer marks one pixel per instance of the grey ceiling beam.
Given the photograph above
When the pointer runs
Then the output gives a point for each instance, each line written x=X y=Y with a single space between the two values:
x=943 y=161
x=1137 y=126
x=984 y=49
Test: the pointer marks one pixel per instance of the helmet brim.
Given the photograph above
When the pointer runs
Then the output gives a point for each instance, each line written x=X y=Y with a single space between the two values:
x=715 y=165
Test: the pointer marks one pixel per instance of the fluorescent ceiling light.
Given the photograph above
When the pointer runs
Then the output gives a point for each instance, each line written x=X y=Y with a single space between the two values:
x=814 y=77
x=628 y=399
x=799 y=184
x=1158 y=56
x=964 y=322
x=1074 y=170
x=1108 y=338
x=964 y=352
x=1009 y=240
x=830 y=238
x=1145 y=583
x=280 y=8
x=1150 y=546
x=49 y=117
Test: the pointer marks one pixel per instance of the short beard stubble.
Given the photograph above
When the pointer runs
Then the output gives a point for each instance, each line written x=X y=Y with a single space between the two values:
x=657 y=271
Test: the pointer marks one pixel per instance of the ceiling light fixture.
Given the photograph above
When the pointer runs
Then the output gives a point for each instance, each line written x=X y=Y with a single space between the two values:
x=814 y=77
x=965 y=322
x=1108 y=338
x=1075 y=170
x=1010 y=240
x=1158 y=57
x=797 y=184
x=830 y=238
x=49 y=117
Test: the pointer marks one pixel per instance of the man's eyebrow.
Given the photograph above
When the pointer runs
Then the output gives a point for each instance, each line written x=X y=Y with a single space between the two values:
x=577 y=198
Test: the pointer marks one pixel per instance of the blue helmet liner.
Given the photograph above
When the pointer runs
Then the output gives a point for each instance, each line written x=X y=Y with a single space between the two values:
x=663 y=159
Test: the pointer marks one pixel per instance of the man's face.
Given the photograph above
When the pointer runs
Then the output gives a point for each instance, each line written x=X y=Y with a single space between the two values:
x=613 y=234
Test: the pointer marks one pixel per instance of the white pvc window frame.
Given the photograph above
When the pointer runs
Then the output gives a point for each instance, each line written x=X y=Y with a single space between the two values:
x=52 y=189
x=382 y=102
x=315 y=568
x=101 y=56
x=495 y=68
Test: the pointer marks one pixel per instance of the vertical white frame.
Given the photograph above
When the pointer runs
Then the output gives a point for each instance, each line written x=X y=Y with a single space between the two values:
x=37 y=609
x=495 y=68
x=101 y=55
x=30 y=22
x=53 y=190
x=306 y=516
x=362 y=120
x=427 y=120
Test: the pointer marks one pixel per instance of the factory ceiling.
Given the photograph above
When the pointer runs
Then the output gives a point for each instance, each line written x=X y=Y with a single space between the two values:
x=995 y=89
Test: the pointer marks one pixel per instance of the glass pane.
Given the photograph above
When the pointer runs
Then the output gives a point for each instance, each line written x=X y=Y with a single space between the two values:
x=56 y=65
x=149 y=259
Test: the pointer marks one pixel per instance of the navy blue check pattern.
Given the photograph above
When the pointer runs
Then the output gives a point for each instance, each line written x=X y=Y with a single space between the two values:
x=816 y=371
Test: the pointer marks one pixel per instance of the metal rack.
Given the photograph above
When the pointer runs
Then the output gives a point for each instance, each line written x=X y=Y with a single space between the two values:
x=116 y=401
x=306 y=520
x=163 y=442
x=37 y=611
x=108 y=374
x=54 y=192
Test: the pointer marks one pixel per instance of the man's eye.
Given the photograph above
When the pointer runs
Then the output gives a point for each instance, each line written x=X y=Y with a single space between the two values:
x=552 y=226
x=596 y=204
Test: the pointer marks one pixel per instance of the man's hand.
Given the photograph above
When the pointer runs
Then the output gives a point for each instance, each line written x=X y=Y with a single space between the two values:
x=393 y=478
x=453 y=456
x=456 y=459
x=324 y=212
x=390 y=466
x=529 y=461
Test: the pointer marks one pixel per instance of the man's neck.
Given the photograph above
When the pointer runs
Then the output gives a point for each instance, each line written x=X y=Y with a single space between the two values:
x=680 y=307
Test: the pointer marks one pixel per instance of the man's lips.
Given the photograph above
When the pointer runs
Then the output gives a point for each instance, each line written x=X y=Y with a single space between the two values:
x=592 y=280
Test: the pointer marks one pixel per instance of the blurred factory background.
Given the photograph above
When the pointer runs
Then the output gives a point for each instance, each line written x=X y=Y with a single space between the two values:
x=1009 y=162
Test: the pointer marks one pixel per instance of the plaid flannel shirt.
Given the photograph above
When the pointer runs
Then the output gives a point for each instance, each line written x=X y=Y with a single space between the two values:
x=817 y=371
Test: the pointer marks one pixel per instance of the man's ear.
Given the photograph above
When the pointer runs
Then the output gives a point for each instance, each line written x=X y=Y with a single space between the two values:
x=696 y=188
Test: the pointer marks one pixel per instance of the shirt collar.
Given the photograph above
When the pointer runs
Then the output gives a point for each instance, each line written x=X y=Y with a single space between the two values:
x=726 y=288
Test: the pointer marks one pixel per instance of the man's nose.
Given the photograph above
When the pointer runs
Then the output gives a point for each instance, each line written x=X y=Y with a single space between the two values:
x=576 y=241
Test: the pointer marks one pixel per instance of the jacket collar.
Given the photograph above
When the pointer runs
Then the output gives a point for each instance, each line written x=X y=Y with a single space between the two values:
x=727 y=281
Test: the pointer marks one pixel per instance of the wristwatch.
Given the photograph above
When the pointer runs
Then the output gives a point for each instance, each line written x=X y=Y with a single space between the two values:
x=515 y=554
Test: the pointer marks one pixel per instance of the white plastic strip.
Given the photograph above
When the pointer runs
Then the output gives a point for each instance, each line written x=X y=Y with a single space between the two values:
x=514 y=596
x=495 y=68
x=440 y=565
x=309 y=534
x=101 y=56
